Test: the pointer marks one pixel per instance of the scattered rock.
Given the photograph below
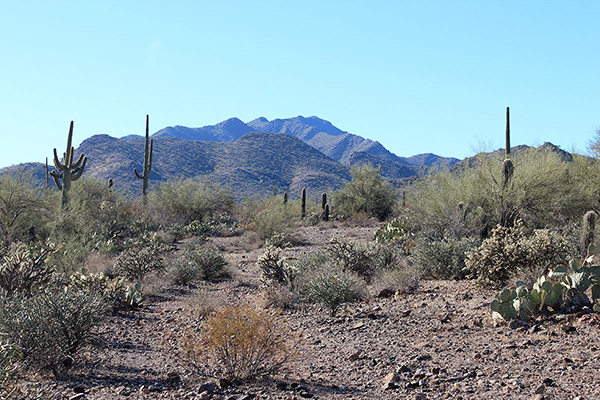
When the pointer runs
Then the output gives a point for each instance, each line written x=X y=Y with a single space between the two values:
x=385 y=293
x=390 y=380
x=540 y=389
x=354 y=356
x=78 y=396
x=79 y=389
x=223 y=383
x=173 y=376
x=207 y=387
x=204 y=396
x=403 y=369
x=424 y=357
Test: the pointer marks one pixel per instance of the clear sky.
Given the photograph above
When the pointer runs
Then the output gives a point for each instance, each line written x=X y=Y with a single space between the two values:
x=417 y=76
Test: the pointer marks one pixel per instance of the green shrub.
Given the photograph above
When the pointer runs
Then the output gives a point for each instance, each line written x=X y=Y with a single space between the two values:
x=22 y=205
x=117 y=293
x=183 y=201
x=273 y=222
x=331 y=288
x=139 y=260
x=198 y=263
x=367 y=192
x=53 y=325
x=210 y=263
x=444 y=259
x=398 y=232
x=545 y=190
x=24 y=269
x=509 y=251
x=352 y=257
x=10 y=367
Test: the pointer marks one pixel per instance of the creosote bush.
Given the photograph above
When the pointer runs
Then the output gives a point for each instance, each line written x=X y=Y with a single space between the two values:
x=241 y=342
x=139 y=260
x=352 y=257
x=184 y=201
x=331 y=288
x=445 y=258
x=53 y=325
x=10 y=368
x=197 y=263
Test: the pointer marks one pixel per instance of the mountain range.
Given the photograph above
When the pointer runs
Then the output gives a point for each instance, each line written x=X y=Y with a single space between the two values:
x=251 y=158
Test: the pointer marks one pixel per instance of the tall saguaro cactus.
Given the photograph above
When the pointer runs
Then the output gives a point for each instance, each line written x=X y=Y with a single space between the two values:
x=508 y=166
x=303 y=197
x=148 y=146
x=68 y=170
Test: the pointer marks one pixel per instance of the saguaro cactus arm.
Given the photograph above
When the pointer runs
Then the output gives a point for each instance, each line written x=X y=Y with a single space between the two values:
x=55 y=177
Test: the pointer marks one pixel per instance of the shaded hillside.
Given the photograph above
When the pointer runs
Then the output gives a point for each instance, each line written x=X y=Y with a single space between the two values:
x=226 y=131
x=35 y=170
x=320 y=134
x=515 y=150
x=250 y=166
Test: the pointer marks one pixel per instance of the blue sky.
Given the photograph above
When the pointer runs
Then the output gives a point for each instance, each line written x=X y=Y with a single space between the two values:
x=417 y=76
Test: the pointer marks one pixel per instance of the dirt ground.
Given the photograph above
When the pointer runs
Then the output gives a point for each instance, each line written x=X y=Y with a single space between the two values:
x=436 y=343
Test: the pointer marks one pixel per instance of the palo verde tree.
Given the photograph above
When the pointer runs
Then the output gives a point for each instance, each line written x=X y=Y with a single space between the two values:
x=148 y=147
x=368 y=192
x=68 y=170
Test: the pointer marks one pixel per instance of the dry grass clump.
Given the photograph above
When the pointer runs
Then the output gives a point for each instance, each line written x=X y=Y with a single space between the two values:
x=240 y=342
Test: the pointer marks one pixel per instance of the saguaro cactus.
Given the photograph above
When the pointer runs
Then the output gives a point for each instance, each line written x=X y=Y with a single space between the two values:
x=148 y=147
x=303 y=197
x=508 y=166
x=68 y=170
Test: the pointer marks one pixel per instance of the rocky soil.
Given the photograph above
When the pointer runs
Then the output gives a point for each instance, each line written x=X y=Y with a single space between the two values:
x=437 y=343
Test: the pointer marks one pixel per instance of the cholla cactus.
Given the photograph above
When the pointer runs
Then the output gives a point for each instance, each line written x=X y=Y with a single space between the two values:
x=68 y=170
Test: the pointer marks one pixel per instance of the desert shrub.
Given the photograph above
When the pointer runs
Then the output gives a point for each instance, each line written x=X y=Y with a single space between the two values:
x=139 y=260
x=23 y=268
x=240 y=342
x=97 y=219
x=367 y=192
x=398 y=232
x=218 y=225
x=273 y=222
x=53 y=325
x=197 y=263
x=331 y=287
x=183 y=201
x=10 y=367
x=445 y=258
x=403 y=278
x=278 y=279
x=385 y=256
x=352 y=257
x=116 y=292
x=545 y=190
x=509 y=251
x=22 y=205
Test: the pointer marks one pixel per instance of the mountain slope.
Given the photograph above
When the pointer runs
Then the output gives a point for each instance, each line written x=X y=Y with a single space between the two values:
x=317 y=132
x=252 y=165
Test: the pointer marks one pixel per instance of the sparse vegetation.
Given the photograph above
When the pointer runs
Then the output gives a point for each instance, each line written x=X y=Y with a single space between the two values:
x=242 y=342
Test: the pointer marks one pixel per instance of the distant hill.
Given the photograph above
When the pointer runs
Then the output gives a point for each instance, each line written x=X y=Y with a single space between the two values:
x=251 y=158
x=319 y=133
x=252 y=165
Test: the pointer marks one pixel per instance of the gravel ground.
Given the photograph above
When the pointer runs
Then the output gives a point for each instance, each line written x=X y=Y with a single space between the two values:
x=437 y=343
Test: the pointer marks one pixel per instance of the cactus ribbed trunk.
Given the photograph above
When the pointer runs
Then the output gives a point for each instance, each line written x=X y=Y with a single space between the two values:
x=285 y=198
x=148 y=147
x=303 y=197
x=507 y=166
x=68 y=170
x=323 y=204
